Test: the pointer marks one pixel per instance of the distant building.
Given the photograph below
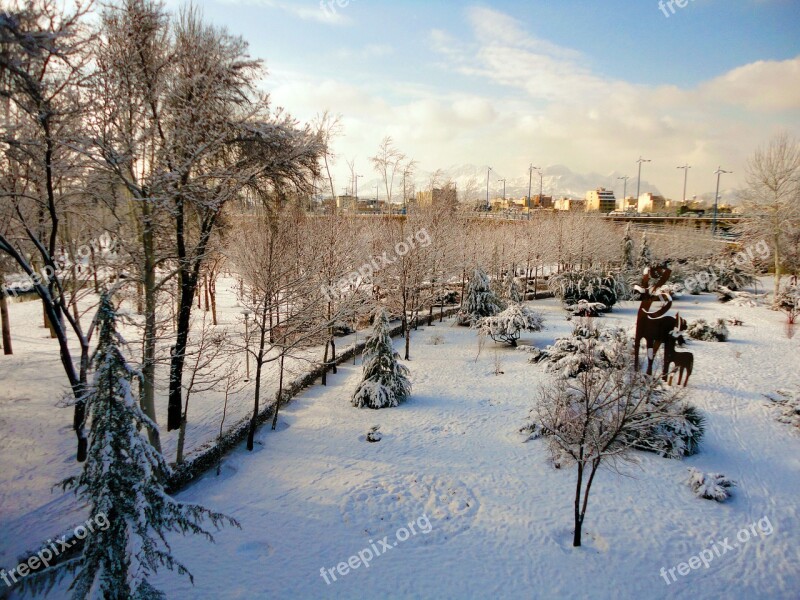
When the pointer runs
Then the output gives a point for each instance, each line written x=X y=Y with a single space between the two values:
x=438 y=197
x=629 y=204
x=569 y=204
x=346 y=203
x=650 y=203
x=601 y=200
x=538 y=201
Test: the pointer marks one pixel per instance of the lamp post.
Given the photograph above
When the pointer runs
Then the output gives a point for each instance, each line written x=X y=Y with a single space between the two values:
x=718 y=173
x=625 y=192
x=488 y=206
x=685 y=168
x=246 y=312
x=639 y=178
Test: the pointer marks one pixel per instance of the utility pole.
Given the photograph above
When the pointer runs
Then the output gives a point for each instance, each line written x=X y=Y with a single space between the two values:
x=639 y=179
x=718 y=173
x=530 y=200
x=504 y=189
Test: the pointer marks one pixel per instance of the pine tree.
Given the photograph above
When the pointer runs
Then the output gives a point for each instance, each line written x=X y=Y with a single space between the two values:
x=481 y=300
x=645 y=254
x=627 y=250
x=385 y=383
x=123 y=479
x=511 y=291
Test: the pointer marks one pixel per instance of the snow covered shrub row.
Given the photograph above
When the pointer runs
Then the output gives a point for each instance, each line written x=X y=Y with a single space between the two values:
x=509 y=324
x=710 y=486
x=789 y=403
x=701 y=330
x=385 y=381
x=481 y=300
x=592 y=285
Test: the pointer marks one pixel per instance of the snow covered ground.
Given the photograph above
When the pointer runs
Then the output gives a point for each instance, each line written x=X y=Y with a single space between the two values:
x=451 y=462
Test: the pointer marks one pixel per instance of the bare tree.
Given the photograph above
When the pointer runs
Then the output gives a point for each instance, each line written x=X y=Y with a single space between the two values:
x=596 y=418
x=387 y=162
x=772 y=199
x=43 y=60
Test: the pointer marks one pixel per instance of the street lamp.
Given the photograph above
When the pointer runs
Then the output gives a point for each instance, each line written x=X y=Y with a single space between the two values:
x=488 y=206
x=504 y=188
x=685 y=168
x=246 y=312
x=357 y=177
x=639 y=179
x=718 y=173
x=625 y=192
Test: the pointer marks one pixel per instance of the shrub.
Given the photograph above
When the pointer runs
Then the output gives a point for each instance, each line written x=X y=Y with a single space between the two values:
x=591 y=285
x=585 y=308
x=788 y=301
x=710 y=486
x=789 y=402
x=509 y=324
x=701 y=330
x=588 y=346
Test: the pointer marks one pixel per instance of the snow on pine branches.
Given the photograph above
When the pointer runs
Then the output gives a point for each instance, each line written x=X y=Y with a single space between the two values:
x=123 y=477
x=701 y=330
x=710 y=486
x=385 y=381
x=509 y=324
x=481 y=300
x=591 y=285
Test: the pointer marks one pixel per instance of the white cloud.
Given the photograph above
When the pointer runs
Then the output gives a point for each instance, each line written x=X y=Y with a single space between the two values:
x=323 y=12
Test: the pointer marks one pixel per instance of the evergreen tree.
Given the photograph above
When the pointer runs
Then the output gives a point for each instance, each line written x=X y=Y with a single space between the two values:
x=645 y=254
x=511 y=292
x=385 y=383
x=627 y=250
x=123 y=479
x=481 y=300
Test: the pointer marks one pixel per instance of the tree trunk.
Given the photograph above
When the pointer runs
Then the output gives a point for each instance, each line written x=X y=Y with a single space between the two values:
x=212 y=294
x=576 y=540
x=325 y=364
x=776 y=242
x=5 y=323
x=280 y=395
x=251 y=434
x=149 y=294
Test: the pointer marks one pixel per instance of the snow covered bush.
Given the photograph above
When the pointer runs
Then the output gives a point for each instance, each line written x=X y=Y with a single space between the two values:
x=481 y=301
x=584 y=308
x=701 y=330
x=509 y=324
x=587 y=347
x=511 y=292
x=710 y=486
x=123 y=478
x=385 y=381
x=789 y=403
x=591 y=285
x=672 y=436
x=788 y=301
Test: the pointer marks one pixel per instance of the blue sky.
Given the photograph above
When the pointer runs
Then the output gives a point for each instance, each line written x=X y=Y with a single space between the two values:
x=589 y=85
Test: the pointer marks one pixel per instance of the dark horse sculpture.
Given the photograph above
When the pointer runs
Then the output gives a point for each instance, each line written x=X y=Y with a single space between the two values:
x=656 y=327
